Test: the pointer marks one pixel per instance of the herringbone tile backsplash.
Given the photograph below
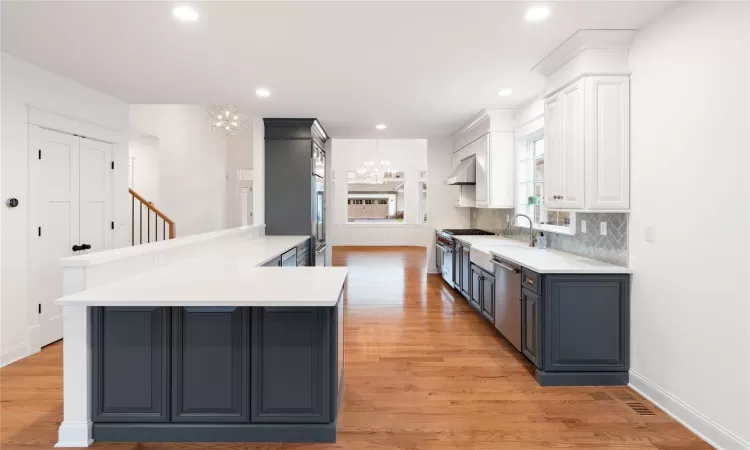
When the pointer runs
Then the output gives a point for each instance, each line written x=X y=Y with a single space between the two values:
x=612 y=248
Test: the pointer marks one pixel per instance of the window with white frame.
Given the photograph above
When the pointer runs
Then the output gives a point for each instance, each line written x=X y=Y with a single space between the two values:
x=531 y=191
x=422 y=217
x=376 y=201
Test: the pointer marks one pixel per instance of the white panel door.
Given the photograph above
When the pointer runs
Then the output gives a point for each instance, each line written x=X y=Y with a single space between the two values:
x=96 y=194
x=573 y=160
x=480 y=148
x=54 y=213
x=608 y=142
x=553 y=143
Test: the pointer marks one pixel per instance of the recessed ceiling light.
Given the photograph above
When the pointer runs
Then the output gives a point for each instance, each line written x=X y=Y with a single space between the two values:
x=536 y=13
x=504 y=92
x=262 y=92
x=185 y=13
x=380 y=126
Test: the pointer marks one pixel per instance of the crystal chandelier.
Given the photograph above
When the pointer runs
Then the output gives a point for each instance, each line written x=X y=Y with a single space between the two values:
x=372 y=173
x=228 y=118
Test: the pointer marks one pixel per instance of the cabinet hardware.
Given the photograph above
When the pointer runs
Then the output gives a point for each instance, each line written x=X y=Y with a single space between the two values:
x=529 y=280
x=77 y=248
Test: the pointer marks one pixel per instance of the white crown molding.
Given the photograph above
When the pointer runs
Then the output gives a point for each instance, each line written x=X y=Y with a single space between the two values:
x=708 y=430
x=583 y=40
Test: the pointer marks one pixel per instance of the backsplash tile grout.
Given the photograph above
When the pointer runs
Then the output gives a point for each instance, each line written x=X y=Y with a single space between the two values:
x=612 y=248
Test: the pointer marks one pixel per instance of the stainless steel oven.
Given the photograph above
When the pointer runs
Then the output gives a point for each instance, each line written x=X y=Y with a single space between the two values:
x=444 y=257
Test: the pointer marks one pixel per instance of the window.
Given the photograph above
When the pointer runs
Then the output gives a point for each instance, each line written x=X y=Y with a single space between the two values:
x=375 y=202
x=531 y=191
x=422 y=216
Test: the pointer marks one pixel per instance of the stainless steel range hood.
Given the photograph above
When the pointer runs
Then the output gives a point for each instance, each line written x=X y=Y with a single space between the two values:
x=465 y=173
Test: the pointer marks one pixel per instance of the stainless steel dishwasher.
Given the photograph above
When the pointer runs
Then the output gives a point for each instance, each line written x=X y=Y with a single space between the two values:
x=508 y=301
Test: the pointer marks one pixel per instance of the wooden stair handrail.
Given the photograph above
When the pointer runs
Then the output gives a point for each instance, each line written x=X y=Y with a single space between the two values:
x=155 y=210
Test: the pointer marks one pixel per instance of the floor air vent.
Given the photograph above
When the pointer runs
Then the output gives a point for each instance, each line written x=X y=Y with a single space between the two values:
x=640 y=408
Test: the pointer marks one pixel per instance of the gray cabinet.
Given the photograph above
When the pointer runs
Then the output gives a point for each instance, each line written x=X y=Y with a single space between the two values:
x=292 y=379
x=488 y=296
x=482 y=293
x=130 y=364
x=531 y=326
x=575 y=328
x=210 y=364
x=275 y=262
x=475 y=290
x=586 y=323
x=465 y=271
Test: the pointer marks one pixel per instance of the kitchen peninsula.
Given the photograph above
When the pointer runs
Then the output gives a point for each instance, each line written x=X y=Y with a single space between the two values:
x=209 y=344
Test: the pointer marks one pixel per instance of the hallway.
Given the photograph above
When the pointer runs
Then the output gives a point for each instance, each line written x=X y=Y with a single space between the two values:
x=422 y=371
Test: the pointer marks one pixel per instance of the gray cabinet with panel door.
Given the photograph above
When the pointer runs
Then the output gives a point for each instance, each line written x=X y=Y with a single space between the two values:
x=210 y=364
x=488 y=296
x=575 y=327
x=130 y=364
x=292 y=370
x=475 y=290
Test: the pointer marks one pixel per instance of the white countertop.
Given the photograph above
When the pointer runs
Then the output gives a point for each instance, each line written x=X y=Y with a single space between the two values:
x=540 y=261
x=226 y=276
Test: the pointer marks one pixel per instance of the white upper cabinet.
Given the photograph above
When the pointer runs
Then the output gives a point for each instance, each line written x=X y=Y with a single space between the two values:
x=564 y=154
x=489 y=138
x=608 y=143
x=587 y=122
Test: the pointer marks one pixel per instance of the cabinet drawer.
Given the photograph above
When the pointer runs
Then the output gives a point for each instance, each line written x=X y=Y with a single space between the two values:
x=303 y=247
x=302 y=258
x=288 y=255
x=531 y=281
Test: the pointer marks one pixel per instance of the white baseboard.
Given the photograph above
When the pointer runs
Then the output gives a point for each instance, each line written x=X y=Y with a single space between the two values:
x=13 y=354
x=35 y=338
x=708 y=430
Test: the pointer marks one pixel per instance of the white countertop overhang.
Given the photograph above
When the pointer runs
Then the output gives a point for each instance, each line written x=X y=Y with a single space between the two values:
x=226 y=276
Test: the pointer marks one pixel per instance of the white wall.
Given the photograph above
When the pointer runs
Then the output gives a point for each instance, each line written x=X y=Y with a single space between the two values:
x=192 y=165
x=406 y=155
x=24 y=84
x=239 y=156
x=690 y=311
x=144 y=166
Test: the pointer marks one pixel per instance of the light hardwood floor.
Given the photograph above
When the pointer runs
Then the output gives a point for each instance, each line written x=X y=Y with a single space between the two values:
x=423 y=371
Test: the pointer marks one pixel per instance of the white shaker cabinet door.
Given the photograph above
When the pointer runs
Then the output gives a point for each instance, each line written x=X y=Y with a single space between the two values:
x=480 y=149
x=572 y=156
x=553 y=143
x=608 y=142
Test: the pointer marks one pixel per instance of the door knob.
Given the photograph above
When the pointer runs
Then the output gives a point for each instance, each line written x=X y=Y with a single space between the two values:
x=77 y=248
x=85 y=247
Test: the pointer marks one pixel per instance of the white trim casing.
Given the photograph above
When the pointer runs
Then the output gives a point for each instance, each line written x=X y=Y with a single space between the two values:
x=75 y=430
x=708 y=430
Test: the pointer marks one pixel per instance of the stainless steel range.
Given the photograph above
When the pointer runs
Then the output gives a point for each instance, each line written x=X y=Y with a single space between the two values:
x=445 y=250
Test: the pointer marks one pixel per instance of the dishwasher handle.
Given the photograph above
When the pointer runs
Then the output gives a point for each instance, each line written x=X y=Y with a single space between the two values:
x=506 y=267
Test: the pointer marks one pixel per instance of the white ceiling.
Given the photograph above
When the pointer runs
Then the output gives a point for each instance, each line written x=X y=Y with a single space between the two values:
x=423 y=68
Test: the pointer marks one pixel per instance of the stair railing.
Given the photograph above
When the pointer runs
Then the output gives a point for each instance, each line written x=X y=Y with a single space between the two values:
x=138 y=205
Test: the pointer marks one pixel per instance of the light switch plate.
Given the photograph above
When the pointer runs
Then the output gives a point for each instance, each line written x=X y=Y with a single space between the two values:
x=475 y=214
x=650 y=234
x=603 y=228
x=583 y=226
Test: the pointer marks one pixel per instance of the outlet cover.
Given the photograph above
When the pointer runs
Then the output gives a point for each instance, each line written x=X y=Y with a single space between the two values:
x=583 y=226
x=603 y=228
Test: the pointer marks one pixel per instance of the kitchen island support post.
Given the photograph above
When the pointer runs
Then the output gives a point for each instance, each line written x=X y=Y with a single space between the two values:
x=75 y=430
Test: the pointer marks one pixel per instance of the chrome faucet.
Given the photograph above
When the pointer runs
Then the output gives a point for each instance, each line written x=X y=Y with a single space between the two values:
x=532 y=240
